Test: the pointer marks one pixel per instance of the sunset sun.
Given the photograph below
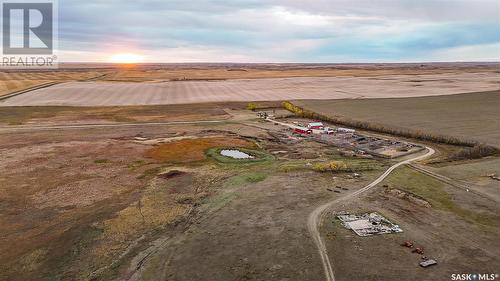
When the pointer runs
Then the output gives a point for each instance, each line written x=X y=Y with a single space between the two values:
x=126 y=58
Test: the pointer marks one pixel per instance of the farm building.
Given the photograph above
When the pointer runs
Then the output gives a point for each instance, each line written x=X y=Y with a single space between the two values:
x=316 y=126
x=302 y=131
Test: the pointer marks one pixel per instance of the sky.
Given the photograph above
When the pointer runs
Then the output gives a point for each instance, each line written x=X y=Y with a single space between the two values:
x=259 y=31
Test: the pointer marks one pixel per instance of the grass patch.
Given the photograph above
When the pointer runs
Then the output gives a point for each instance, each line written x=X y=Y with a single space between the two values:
x=251 y=177
x=215 y=203
x=344 y=166
x=149 y=173
x=293 y=166
x=339 y=165
x=218 y=201
x=257 y=177
x=101 y=161
x=136 y=164
x=434 y=192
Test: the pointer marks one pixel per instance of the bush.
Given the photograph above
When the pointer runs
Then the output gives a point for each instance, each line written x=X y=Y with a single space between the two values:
x=476 y=152
x=334 y=166
x=252 y=106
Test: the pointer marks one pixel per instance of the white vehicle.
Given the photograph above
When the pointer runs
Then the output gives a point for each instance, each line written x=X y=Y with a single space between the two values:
x=328 y=131
x=346 y=130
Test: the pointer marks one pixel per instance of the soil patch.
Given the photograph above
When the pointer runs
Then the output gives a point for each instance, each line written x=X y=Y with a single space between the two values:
x=171 y=174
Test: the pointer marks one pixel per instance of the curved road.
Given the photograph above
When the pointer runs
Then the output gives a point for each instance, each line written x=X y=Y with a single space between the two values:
x=316 y=217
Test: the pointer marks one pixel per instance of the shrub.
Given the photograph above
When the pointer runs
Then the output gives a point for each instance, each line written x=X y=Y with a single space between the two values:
x=334 y=166
x=252 y=106
x=476 y=152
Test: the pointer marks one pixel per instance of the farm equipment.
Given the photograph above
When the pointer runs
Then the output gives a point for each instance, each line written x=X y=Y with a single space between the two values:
x=428 y=263
x=407 y=244
x=418 y=250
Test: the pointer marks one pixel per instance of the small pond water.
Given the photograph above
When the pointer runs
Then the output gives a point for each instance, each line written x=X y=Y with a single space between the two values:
x=235 y=154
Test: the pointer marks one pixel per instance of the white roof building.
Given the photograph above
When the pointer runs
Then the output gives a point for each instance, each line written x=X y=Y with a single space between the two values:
x=315 y=124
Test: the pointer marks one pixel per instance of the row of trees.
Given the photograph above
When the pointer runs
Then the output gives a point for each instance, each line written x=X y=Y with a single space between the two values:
x=476 y=152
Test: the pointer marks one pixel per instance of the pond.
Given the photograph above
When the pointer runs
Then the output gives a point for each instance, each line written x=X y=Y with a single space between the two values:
x=235 y=154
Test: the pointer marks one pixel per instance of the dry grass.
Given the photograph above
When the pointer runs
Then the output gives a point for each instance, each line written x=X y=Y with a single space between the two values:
x=191 y=150
x=156 y=113
x=155 y=210
x=435 y=192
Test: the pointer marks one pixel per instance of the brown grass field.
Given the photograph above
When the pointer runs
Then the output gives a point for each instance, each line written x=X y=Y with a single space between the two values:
x=469 y=116
x=74 y=115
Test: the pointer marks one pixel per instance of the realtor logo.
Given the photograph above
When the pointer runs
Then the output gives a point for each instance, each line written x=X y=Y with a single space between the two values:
x=29 y=33
x=27 y=28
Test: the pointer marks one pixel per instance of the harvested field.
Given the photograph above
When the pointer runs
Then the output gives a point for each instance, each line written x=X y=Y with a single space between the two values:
x=190 y=150
x=221 y=71
x=16 y=81
x=183 y=92
x=262 y=72
x=467 y=116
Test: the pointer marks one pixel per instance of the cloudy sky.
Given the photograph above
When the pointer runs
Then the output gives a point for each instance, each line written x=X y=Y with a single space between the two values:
x=281 y=30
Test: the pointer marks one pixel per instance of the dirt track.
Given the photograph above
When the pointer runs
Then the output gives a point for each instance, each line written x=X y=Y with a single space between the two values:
x=316 y=217
x=184 y=92
x=89 y=126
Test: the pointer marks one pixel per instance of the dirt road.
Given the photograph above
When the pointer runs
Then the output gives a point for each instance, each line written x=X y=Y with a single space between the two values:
x=29 y=128
x=316 y=217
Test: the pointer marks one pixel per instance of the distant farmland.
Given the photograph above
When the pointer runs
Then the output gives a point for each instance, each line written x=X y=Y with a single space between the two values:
x=276 y=89
x=16 y=81
x=470 y=116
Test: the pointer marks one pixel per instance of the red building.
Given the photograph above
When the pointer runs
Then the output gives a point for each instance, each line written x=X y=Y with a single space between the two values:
x=302 y=131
